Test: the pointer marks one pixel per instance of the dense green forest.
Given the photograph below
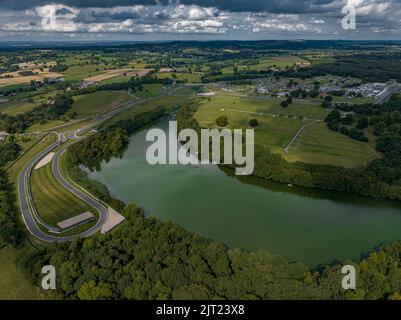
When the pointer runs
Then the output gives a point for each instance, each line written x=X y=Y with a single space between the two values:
x=9 y=229
x=148 y=259
x=10 y=232
x=367 y=67
x=9 y=150
x=384 y=120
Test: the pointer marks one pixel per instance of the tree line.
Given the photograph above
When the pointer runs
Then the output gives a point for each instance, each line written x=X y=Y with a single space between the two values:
x=10 y=232
x=150 y=259
x=44 y=112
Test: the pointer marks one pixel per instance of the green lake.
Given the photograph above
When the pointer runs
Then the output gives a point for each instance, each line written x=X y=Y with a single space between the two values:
x=302 y=225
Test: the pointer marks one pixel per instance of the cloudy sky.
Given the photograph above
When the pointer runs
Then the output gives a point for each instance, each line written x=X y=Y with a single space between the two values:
x=196 y=19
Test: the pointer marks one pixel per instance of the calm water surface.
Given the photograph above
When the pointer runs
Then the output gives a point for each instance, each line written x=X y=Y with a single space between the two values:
x=302 y=225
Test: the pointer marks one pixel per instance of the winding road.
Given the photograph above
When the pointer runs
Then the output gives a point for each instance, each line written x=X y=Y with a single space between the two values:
x=28 y=210
x=30 y=216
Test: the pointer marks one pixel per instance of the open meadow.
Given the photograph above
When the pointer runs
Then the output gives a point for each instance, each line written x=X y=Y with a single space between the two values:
x=278 y=126
x=98 y=102
x=13 y=284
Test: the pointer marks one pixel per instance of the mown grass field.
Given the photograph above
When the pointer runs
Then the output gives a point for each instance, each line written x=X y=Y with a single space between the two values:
x=77 y=72
x=307 y=109
x=265 y=63
x=165 y=101
x=13 y=108
x=189 y=77
x=150 y=90
x=318 y=144
x=98 y=102
x=53 y=202
x=46 y=125
x=30 y=149
x=13 y=284
x=273 y=132
x=279 y=62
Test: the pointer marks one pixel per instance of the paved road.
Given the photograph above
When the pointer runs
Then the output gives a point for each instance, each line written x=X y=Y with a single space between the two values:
x=29 y=214
x=26 y=202
x=388 y=94
x=287 y=148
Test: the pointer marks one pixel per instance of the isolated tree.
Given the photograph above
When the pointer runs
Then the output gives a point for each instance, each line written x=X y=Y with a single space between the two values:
x=222 y=121
x=284 y=103
x=254 y=123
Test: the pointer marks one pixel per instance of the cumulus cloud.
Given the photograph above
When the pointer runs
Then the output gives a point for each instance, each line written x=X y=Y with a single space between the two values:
x=235 y=18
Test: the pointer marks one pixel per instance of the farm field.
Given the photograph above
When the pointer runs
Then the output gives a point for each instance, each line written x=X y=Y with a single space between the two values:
x=46 y=125
x=13 y=284
x=188 y=77
x=15 y=107
x=118 y=72
x=165 y=101
x=17 y=79
x=100 y=101
x=280 y=62
x=150 y=90
x=53 y=202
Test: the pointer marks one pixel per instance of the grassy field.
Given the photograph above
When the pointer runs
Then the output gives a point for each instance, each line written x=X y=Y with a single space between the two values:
x=45 y=125
x=53 y=202
x=76 y=72
x=188 y=77
x=13 y=284
x=13 y=108
x=118 y=79
x=16 y=79
x=307 y=109
x=119 y=72
x=318 y=144
x=33 y=147
x=274 y=132
x=150 y=90
x=100 y=101
x=279 y=62
x=265 y=63
x=315 y=144
x=165 y=101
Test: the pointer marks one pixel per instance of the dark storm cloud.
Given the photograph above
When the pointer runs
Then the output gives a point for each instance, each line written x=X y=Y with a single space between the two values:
x=272 y=6
x=63 y=11
x=235 y=18
x=94 y=16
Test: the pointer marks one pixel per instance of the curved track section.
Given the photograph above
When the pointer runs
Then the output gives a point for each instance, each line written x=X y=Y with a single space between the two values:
x=28 y=208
